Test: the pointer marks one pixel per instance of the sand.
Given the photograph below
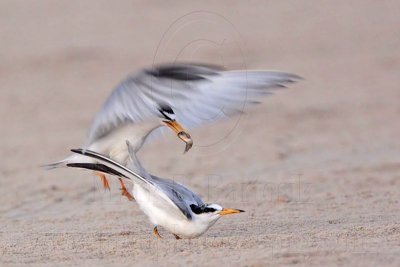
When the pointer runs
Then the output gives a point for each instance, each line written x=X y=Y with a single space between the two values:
x=316 y=166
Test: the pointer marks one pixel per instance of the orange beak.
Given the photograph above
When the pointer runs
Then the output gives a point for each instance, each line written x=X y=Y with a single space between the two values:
x=226 y=211
x=182 y=133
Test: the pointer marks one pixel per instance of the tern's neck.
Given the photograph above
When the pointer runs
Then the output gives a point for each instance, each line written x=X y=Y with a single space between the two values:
x=134 y=164
x=141 y=132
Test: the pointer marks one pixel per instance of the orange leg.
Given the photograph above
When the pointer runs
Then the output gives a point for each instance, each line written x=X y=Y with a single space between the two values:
x=155 y=231
x=103 y=179
x=125 y=192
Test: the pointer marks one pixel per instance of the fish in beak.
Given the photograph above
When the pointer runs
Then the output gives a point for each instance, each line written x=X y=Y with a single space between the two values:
x=226 y=211
x=182 y=133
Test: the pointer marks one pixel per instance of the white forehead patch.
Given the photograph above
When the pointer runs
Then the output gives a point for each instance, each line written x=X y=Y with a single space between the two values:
x=215 y=206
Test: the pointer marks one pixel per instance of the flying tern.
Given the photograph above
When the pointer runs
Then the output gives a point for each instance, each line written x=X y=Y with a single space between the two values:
x=178 y=96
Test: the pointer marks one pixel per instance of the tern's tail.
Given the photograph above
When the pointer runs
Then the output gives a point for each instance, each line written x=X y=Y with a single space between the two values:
x=58 y=164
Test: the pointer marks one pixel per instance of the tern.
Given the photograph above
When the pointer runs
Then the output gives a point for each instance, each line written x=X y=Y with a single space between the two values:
x=165 y=202
x=178 y=96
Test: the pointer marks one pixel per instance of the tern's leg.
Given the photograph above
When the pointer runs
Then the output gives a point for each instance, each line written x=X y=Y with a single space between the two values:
x=155 y=231
x=103 y=179
x=176 y=236
x=125 y=192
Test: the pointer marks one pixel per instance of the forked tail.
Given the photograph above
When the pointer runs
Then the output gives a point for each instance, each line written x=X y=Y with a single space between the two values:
x=58 y=164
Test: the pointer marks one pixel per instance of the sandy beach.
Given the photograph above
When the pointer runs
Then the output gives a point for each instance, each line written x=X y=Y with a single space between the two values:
x=316 y=166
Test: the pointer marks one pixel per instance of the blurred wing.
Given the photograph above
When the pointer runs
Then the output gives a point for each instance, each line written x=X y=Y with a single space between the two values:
x=129 y=102
x=197 y=93
x=224 y=94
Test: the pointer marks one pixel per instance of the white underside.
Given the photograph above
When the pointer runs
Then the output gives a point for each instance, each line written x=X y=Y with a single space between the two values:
x=163 y=213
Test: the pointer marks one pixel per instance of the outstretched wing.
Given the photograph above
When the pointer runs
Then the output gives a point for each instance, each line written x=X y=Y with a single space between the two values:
x=197 y=93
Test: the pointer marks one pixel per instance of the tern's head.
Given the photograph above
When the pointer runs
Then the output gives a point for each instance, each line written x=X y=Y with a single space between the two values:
x=168 y=118
x=212 y=212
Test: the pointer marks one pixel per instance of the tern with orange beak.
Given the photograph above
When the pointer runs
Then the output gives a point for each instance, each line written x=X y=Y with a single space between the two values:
x=177 y=96
x=166 y=203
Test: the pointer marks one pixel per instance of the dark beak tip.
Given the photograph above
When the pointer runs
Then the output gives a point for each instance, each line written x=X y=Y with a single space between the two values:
x=187 y=148
x=187 y=139
x=241 y=210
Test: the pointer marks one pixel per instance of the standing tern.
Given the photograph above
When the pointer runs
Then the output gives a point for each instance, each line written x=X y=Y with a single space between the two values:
x=166 y=203
x=174 y=95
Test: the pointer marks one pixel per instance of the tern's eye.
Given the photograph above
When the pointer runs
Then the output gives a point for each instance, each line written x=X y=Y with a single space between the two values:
x=201 y=209
x=208 y=209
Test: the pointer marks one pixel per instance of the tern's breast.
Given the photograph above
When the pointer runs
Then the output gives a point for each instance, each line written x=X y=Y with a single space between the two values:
x=114 y=143
x=159 y=210
x=162 y=213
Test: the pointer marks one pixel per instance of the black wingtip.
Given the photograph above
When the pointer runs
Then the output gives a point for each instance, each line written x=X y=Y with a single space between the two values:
x=77 y=150
x=96 y=167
